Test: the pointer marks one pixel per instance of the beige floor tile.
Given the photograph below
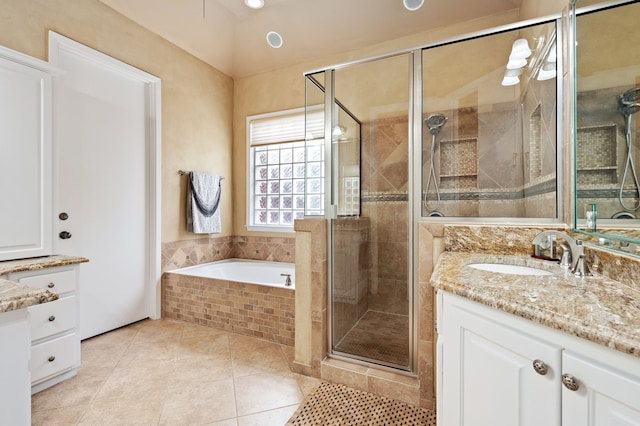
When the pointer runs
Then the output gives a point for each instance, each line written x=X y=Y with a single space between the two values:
x=202 y=344
x=266 y=391
x=276 y=417
x=135 y=383
x=77 y=390
x=59 y=416
x=307 y=384
x=143 y=410
x=199 y=371
x=200 y=404
x=148 y=352
x=230 y=422
x=252 y=356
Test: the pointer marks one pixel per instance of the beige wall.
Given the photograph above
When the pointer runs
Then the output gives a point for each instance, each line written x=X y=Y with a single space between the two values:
x=284 y=89
x=196 y=98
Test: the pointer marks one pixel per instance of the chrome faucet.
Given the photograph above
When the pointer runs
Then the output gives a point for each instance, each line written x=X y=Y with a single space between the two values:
x=572 y=251
x=287 y=282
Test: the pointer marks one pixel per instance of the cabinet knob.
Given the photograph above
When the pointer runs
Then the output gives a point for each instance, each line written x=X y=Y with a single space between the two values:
x=52 y=318
x=51 y=285
x=65 y=235
x=52 y=358
x=540 y=367
x=570 y=382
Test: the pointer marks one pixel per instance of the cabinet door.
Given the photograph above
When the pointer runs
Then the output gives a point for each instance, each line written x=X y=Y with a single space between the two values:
x=488 y=376
x=605 y=396
x=25 y=158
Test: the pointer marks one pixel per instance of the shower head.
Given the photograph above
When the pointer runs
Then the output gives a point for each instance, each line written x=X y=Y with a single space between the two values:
x=629 y=101
x=435 y=122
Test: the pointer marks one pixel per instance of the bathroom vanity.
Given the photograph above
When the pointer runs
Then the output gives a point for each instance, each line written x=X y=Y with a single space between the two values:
x=531 y=350
x=38 y=329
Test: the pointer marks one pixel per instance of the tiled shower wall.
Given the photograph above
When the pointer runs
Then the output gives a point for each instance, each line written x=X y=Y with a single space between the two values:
x=601 y=152
x=180 y=254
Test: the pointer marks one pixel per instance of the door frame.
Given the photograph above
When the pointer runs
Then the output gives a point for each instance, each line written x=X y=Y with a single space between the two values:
x=59 y=43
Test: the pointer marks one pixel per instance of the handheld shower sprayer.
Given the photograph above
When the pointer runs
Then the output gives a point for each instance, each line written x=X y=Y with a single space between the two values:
x=629 y=104
x=434 y=123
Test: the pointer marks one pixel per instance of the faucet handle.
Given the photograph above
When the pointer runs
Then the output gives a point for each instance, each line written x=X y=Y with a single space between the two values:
x=565 y=261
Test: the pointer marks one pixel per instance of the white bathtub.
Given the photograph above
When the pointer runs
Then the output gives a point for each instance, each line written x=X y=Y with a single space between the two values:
x=244 y=271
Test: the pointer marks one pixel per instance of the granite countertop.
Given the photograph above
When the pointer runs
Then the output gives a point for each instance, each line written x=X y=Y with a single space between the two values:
x=595 y=308
x=18 y=296
x=36 y=263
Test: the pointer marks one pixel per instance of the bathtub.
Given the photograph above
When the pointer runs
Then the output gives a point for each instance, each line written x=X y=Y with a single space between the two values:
x=241 y=296
x=244 y=271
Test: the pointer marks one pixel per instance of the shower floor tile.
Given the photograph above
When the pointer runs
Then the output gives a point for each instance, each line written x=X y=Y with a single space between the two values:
x=379 y=336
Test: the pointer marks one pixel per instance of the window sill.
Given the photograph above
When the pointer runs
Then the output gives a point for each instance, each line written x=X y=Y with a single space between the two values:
x=279 y=229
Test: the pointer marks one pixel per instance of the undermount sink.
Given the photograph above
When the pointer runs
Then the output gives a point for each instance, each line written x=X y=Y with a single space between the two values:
x=502 y=268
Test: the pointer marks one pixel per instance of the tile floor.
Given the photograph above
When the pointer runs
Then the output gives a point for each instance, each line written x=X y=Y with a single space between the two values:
x=168 y=372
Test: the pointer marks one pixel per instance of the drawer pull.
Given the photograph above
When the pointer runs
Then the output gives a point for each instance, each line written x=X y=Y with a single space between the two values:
x=52 y=318
x=52 y=358
x=51 y=285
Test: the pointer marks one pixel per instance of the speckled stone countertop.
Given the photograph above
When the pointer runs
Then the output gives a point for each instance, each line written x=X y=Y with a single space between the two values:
x=594 y=308
x=18 y=296
x=37 y=263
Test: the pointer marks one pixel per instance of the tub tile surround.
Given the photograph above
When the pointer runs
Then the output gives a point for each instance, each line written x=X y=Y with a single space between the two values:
x=180 y=254
x=252 y=310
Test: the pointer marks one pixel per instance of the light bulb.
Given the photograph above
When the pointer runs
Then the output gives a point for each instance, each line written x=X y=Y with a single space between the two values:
x=254 y=4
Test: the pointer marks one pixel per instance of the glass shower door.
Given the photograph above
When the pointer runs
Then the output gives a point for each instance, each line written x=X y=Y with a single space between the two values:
x=371 y=287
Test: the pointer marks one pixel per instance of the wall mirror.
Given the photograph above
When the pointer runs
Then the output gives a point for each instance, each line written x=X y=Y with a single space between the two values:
x=607 y=132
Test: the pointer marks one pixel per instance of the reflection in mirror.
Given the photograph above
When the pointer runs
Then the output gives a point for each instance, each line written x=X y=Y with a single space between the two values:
x=490 y=126
x=607 y=72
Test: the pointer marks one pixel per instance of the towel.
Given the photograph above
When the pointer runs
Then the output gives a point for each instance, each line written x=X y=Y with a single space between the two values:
x=203 y=202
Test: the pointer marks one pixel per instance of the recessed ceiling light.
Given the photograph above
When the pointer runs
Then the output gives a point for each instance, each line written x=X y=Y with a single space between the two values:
x=274 y=39
x=412 y=4
x=254 y=4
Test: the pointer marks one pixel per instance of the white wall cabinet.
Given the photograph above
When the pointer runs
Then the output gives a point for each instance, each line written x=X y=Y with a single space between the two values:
x=26 y=219
x=499 y=369
x=55 y=340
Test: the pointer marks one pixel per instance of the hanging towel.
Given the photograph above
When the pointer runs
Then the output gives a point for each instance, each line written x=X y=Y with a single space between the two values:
x=203 y=202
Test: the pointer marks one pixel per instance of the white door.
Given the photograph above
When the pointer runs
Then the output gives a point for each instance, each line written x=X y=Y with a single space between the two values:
x=103 y=190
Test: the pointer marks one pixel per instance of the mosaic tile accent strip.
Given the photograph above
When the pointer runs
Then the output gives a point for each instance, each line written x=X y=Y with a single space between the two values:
x=243 y=308
x=331 y=404
x=459 y=158
x=597 y=155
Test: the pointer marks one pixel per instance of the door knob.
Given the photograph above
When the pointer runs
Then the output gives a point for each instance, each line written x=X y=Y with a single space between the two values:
x=65 y=235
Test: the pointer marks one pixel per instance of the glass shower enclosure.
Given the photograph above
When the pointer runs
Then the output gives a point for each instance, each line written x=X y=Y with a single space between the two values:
x=371 y=290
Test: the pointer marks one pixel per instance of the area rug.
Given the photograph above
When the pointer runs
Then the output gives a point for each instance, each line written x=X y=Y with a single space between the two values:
x=332 y=405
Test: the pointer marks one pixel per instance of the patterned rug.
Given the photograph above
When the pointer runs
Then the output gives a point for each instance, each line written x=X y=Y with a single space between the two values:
x=332 y=405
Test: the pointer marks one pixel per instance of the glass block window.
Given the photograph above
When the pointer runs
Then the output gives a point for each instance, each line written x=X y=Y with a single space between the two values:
x=285 y=172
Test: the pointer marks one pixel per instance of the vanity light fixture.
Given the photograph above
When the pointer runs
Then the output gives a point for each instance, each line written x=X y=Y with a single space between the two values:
x=254 y=4
x=511 y=77
x=547 y=72
x=519 y=53
x=274 y=39
x=412 y=4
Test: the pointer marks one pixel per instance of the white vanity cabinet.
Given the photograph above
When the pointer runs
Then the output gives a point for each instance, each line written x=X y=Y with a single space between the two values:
x=495 y=368
x=55 y=341
x=15 y=406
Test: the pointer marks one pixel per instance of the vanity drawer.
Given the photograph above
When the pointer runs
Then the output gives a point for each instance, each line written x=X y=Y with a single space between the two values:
x=52 y=357
x=51 y=318
x=58 y=282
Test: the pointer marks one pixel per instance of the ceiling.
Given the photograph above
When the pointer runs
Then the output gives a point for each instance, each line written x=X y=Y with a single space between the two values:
x=232 y=37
